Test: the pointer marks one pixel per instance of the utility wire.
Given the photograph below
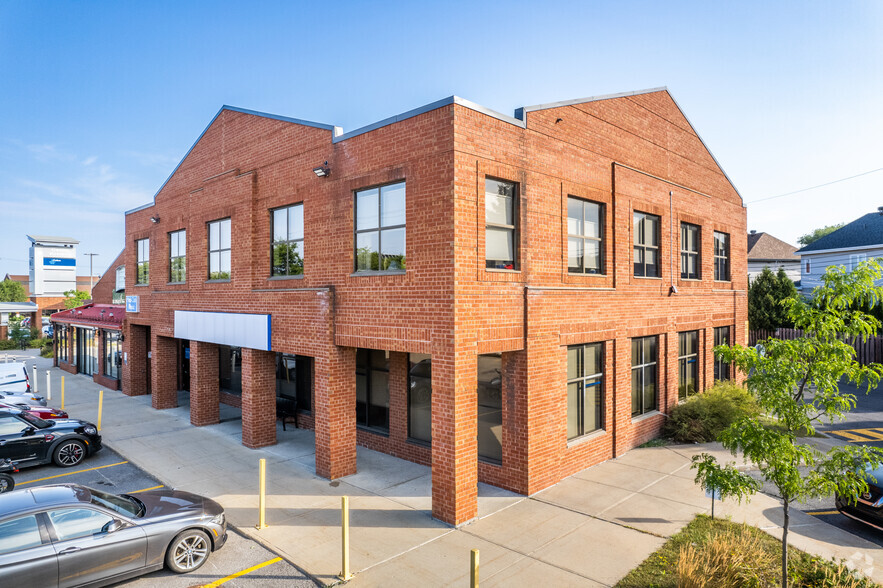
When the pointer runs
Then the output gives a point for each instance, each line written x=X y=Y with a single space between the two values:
x=819 y=186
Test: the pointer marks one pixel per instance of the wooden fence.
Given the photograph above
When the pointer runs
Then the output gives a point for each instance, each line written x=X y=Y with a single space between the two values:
x=867 y=350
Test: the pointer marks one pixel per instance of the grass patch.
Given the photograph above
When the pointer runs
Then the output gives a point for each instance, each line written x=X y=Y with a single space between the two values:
x=660 y=442
x=722 y=554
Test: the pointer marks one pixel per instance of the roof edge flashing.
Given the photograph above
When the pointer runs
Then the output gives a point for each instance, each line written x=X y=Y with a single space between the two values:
x=521 y=112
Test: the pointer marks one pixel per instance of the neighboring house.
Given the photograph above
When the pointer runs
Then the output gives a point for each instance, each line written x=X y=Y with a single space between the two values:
x=847 y=246
x=764 y=250
x=111 y=288
x=505 y=299
x=26 y=309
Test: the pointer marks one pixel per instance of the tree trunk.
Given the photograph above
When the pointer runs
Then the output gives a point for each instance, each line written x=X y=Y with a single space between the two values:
x=785 y=547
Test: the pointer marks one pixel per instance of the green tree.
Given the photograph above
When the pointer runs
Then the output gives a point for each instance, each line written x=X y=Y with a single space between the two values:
x=75 y=298
x=17 y=332
x=766 y=294
x=12 y=291
x=780 y=376
x=818 y=234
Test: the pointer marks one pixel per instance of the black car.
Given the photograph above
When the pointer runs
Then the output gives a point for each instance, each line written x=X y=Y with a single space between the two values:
x=28 y=440
x=70 y=536
x=868 y=507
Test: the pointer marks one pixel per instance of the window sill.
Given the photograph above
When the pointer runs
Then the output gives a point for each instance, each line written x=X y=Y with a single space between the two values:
x=645 y=416
x=418 y=442
x=694 y=280
x=372 y=430
x=648 y=277
x=490 y=462
x=586 y=274
x=141 y=285
x=294 y=277
x=499 y=270
x=366 y=273
x=723 y=281
x=225 y=281
x=576 y=441
x=176 y=283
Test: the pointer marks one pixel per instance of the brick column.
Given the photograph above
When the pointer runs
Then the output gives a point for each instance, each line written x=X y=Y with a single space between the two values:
x=621 y=381
x=134 y=370
x=258 y=398
x=334 y=407
x=454 y=430
x=164 y=371
x=398 y=396
x=204 y=384
x=667 y=371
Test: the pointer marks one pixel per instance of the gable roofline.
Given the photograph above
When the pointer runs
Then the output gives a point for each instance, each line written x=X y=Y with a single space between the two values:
x=518 y=120
x=801 y=252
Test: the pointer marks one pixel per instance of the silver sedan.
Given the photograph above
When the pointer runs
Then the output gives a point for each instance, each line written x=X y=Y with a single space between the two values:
x=68 y=535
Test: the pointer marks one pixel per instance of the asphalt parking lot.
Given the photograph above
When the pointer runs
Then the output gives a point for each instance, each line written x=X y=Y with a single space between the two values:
x=241 y=562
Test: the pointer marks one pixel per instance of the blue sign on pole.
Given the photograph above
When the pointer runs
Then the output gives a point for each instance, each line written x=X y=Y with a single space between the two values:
x=59 y=261
x=132 y=304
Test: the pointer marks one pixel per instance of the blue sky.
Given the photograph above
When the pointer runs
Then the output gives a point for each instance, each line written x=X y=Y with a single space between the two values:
x=100 y=100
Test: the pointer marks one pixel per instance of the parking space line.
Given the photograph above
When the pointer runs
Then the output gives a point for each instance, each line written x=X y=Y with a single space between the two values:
x=146 y=489
x=857 y=435
x=241 y=573
x=71 y=473
x=816 y=513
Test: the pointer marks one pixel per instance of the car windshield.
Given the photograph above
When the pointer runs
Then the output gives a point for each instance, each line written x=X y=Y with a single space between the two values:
x=34 y=421
x=125 y=505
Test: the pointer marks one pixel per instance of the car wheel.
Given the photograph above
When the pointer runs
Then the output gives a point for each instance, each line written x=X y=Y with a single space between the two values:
x=69 y=453
x=6 y=483
x=188 y=551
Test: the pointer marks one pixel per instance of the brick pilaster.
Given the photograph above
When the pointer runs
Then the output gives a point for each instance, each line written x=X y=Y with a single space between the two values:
x=335 y=414
x=204 y=384
x=258 y=398
x=134 y=369
x=164 y=371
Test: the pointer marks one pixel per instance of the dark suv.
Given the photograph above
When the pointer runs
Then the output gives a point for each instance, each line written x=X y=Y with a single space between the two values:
x=28 y=440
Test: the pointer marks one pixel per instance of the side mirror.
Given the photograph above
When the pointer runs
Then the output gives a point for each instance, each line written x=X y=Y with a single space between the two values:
x=114 y=525
x=28 y=432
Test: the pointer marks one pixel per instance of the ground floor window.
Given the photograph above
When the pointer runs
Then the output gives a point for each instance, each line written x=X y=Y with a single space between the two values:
x=584 y=388
x=86 y=345
x=113 y=354
x=688 y=366
x=420 y=397
x=230 y=369
x=294 y=379
x=644 y=353
x=721 y=368
x=61 y=350
x=490 y=407
x=372 y=388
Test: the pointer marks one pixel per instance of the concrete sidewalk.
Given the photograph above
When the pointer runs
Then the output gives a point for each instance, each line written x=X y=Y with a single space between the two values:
x=589 y=530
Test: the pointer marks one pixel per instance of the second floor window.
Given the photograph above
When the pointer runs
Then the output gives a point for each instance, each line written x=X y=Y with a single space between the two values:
x=721 y=257
x=501 y=238
x=646 y=231
x=178 y=256
x=689 y=251
x=219 y=250
x=120 y=279
x=380 y=228
x=288 y=241
x=585 y=234
x=142 y=274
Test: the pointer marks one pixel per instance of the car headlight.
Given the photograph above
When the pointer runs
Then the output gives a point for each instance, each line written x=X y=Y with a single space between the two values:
x=90 y=430
x=218 y=520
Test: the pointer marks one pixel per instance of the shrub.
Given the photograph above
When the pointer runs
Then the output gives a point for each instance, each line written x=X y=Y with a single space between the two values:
x=704 y=416
x=733 y=557
x=7 y=344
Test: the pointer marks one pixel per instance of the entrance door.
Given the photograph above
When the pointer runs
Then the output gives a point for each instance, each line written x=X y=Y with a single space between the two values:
x=183 y=364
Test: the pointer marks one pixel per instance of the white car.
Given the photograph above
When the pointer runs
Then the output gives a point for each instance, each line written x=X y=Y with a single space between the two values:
x=15 y=385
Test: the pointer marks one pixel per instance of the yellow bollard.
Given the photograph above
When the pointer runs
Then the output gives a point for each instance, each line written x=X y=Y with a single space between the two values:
x=262 y=494
x=62 y=392
x=345 y=527
x=100 y=403
x=473 y=571
x=48 y=386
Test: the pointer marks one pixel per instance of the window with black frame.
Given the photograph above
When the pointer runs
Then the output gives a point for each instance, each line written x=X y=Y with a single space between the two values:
x=501 y=224
x=721 y=368
x=721 y=257
x=61 y=350
x=178 y=256
x=294 y=379
x=585 y=236
x=644 y=356
x=230 y=369
x=490 y=407
x=420 y=397
x=288 y=241
x=372 y=389
x=380 y=228
x=219 y=249
x=688 y=364
x=646 y=238
x=690 y=260
x=585 y=376
x=113 y=354
x=142 y=261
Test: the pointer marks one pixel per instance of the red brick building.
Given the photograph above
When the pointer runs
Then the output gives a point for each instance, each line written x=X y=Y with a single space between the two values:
x=506 y=299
